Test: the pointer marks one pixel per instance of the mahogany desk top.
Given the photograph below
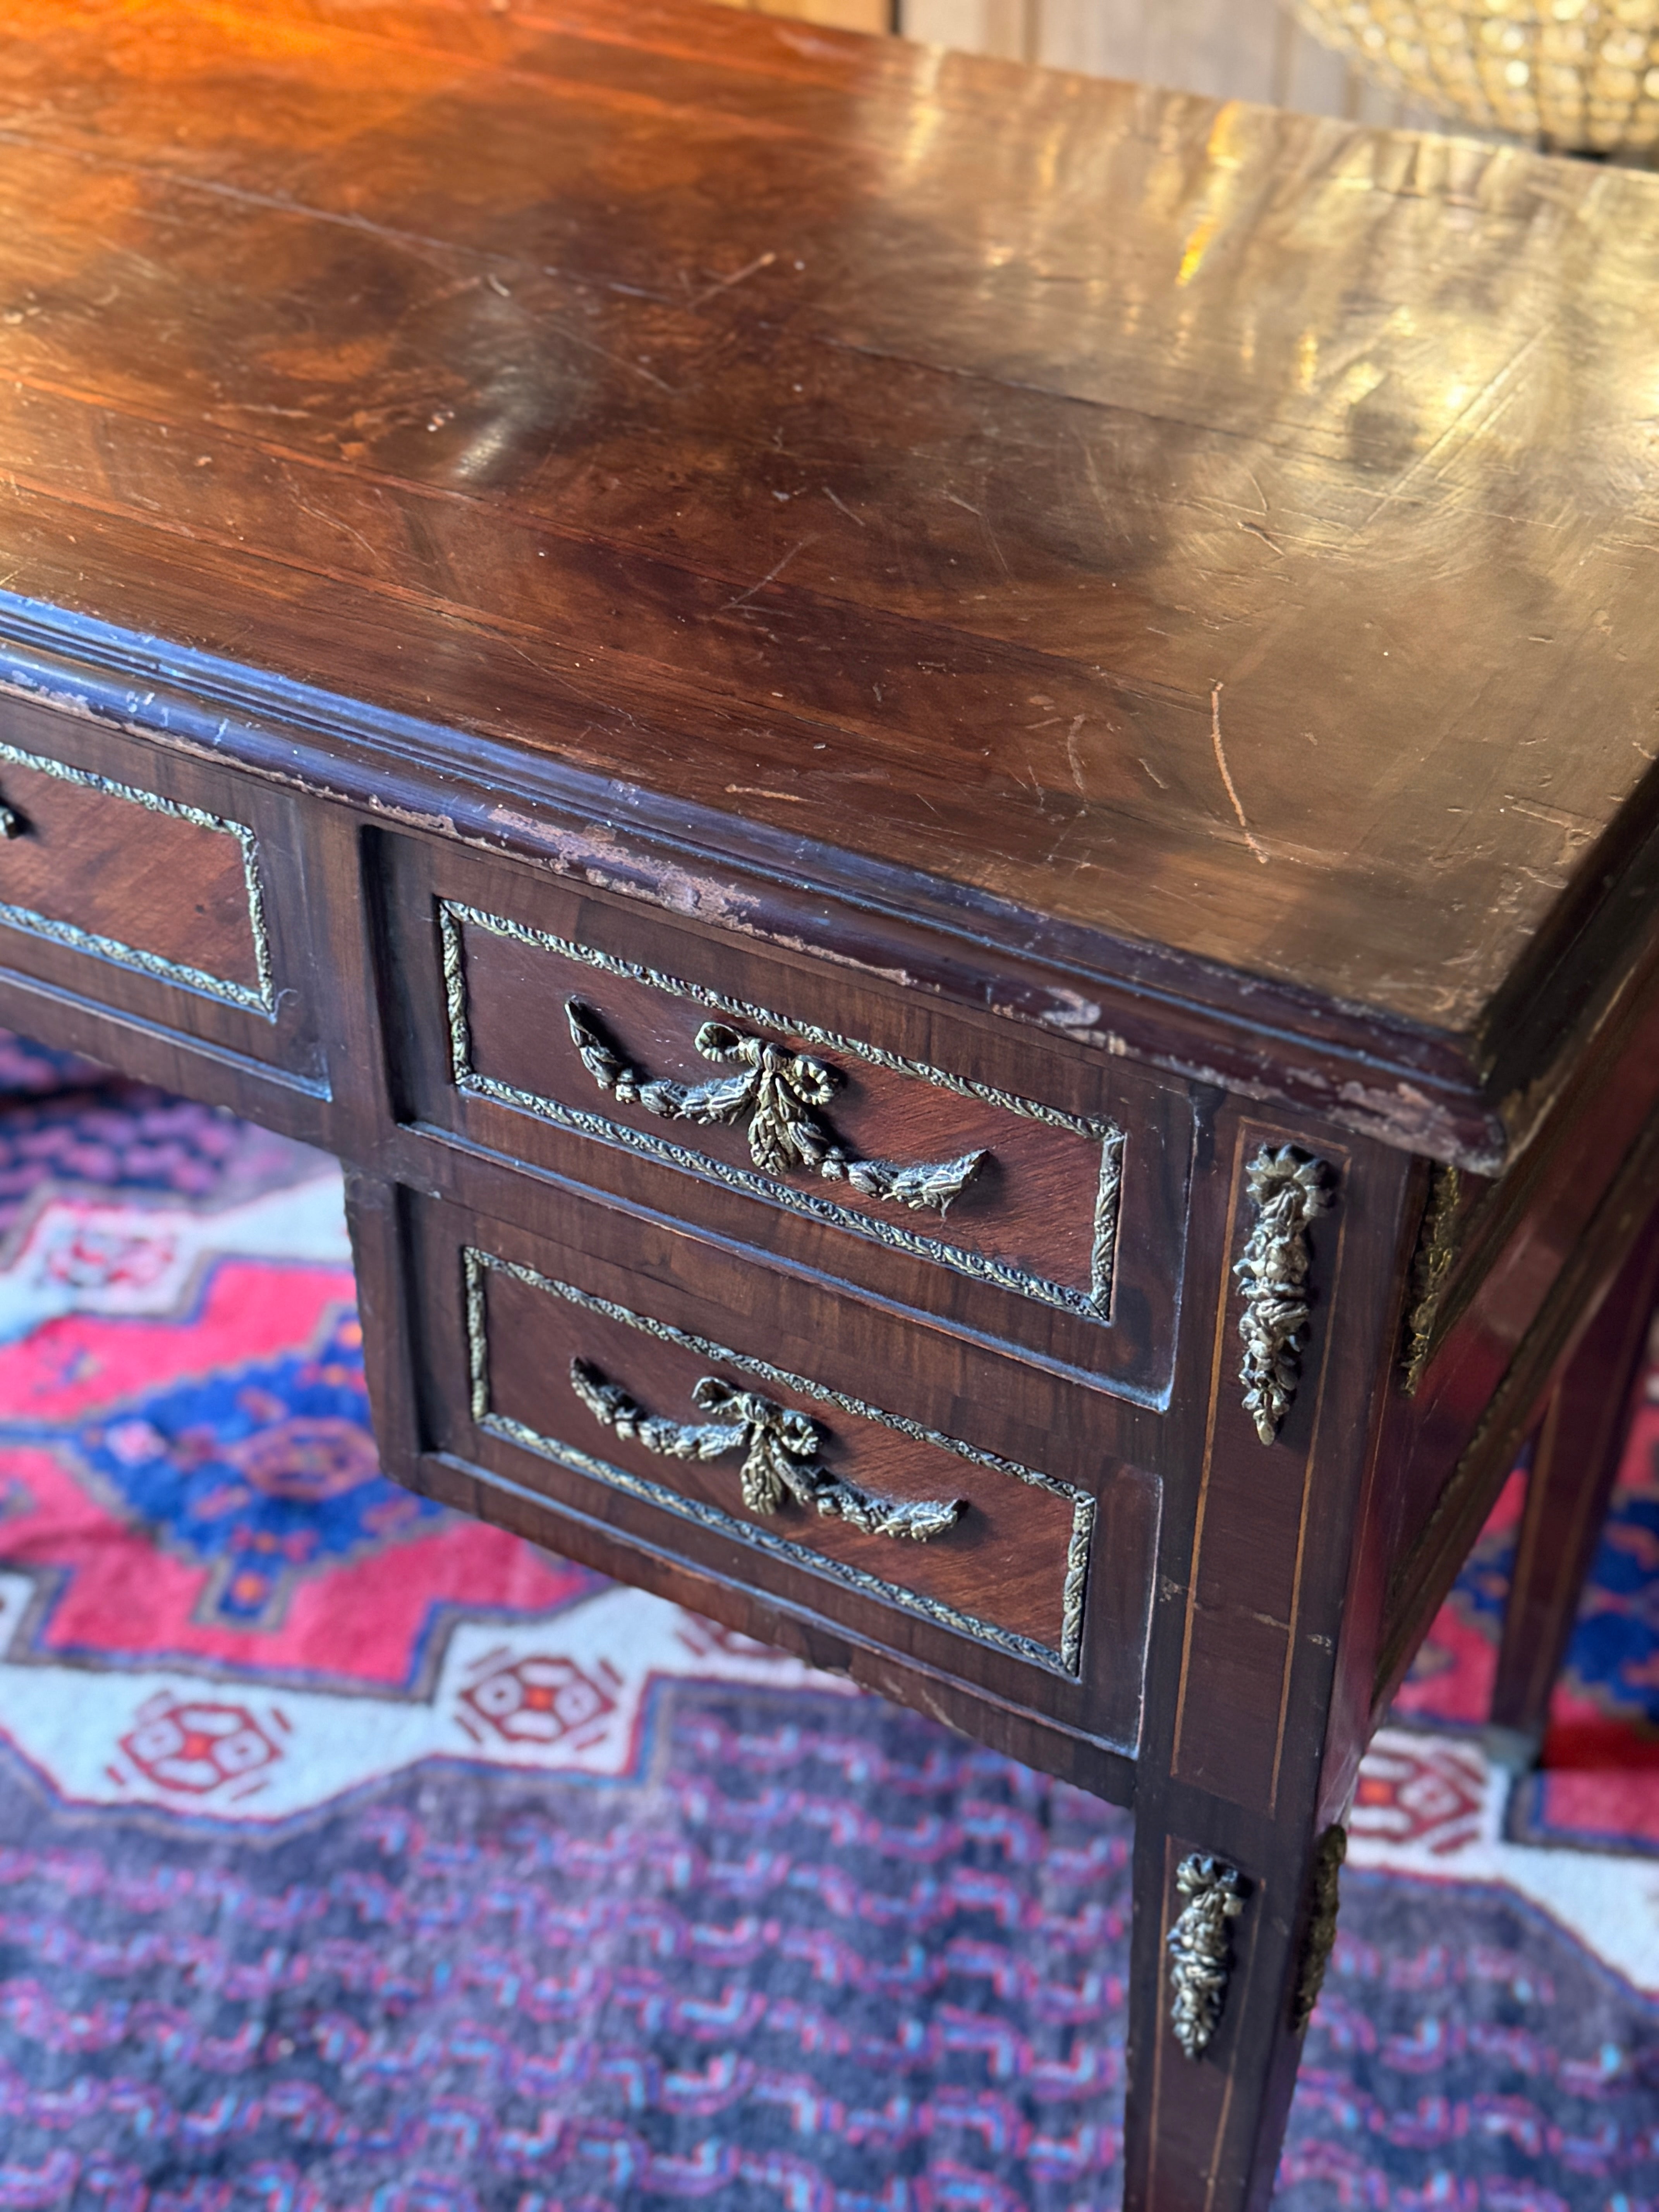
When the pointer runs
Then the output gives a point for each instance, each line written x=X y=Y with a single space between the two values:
x=1128 y=620
x=875 y=460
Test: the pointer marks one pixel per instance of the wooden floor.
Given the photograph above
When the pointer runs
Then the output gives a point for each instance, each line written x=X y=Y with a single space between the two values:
x=1233 y=49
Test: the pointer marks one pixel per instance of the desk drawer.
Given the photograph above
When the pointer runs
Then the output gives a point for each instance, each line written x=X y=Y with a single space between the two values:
x=774 y=1433
x=1002 y=1182
x=152 y=885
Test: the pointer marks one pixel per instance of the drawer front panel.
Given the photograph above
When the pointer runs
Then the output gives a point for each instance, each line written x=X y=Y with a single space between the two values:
x=909 y=1516
x=168 y=890
x=777 y=1434
x=996 y=1180
x=926 y=1160
x=158 y=888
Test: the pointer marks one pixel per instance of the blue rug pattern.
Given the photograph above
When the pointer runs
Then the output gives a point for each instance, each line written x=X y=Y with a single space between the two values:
x=826 y=1958
x=807 y=1954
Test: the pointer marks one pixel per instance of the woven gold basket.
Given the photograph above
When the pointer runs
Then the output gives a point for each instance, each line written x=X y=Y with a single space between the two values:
x=1580 y=76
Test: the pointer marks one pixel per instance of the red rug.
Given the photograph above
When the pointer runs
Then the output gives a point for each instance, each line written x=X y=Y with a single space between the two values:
x=1599 y=1786
x=355 y=1857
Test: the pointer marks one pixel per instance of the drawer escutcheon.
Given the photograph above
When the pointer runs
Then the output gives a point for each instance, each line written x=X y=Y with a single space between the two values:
x=1066 y=1659
x=782 y=1094
x=772 y=1440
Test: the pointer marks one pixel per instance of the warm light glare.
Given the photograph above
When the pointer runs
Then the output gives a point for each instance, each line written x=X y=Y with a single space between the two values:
x=1577 y=74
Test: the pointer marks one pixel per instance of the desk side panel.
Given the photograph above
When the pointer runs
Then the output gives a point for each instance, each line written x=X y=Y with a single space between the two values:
x=1544 y=1245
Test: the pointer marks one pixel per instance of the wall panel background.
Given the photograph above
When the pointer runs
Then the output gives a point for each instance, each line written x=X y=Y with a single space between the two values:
x=1231 y=49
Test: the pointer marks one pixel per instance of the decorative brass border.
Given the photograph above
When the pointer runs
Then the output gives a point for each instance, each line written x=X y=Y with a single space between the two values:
x=259 y=1001
x=1324 y=1901
x=1437 y=1247
x=1065 y=1660
x=1093 y=1304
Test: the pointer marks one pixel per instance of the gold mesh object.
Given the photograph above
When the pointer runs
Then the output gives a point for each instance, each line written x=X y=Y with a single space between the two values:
x=1580 y=75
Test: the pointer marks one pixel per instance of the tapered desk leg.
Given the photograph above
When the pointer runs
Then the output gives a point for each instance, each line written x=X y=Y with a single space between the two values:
x=1249 y=1749
x=1575 y=1455
x=1206 y=2125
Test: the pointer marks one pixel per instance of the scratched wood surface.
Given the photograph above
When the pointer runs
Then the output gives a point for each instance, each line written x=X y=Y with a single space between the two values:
x=1221 y=532
x=1137 y=601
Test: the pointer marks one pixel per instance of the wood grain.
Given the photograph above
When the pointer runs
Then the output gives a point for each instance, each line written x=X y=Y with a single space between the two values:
x=1004 y=1563
x=640 y=1290
x=92 y=857
x=1136 y=602
x=157 y=890
x=907 y=535
x=1032 y=1208
x=1016 y=1259
x=839 y=15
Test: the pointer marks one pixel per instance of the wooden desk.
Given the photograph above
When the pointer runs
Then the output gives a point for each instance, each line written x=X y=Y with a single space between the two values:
x=886 y=743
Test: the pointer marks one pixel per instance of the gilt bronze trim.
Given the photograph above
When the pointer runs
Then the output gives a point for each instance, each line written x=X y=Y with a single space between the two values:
x=259 y=998
x=780 y=1449
x=1092 y=1303
x=781 y=1093
x=1289 y=1188
x=1066 y=1658
x=1324 y=1900
x=1200 y=1945
x=1437 y=1247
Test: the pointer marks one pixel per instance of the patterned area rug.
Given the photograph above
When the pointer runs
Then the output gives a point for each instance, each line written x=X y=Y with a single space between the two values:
x=1600 y=1782
x=356 y=1855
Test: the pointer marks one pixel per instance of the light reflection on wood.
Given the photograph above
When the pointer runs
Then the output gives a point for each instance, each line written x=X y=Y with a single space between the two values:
x=1229 y=49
